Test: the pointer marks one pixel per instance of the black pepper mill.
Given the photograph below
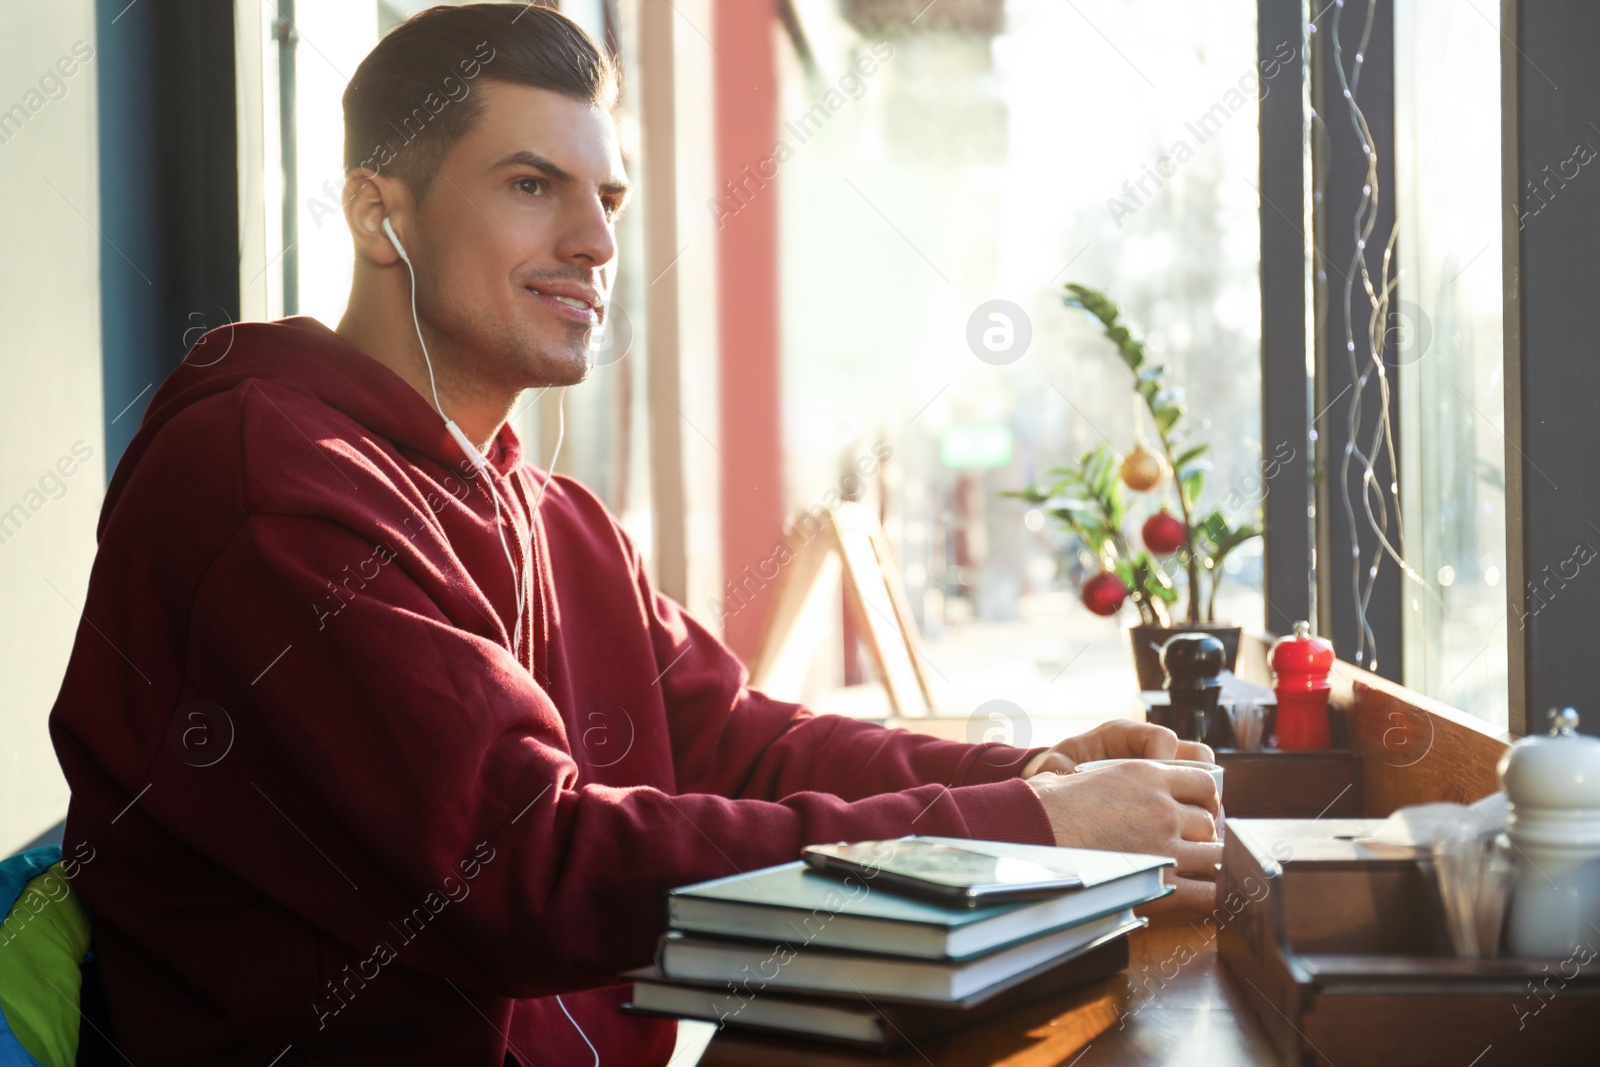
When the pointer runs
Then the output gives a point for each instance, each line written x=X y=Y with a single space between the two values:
x=1192 y=663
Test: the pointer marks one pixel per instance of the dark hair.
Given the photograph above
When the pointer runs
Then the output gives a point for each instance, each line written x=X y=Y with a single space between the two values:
x=411 y=97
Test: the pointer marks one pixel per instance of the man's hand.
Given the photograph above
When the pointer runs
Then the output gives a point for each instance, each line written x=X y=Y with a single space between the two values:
x=1120 y=739
x=1142 y=807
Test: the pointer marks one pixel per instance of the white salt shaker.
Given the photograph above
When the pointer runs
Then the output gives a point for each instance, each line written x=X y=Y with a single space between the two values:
x=1553 y=784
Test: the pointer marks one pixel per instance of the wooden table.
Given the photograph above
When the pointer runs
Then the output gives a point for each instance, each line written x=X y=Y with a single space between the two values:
x=1175 y=1004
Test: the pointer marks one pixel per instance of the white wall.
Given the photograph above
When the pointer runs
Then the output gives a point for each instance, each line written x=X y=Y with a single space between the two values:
x=50 y=384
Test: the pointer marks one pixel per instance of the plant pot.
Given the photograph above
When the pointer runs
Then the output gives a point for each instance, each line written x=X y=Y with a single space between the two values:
x=1147 y=641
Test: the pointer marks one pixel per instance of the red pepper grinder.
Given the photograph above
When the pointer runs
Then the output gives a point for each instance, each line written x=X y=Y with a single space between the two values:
x=1300 y=666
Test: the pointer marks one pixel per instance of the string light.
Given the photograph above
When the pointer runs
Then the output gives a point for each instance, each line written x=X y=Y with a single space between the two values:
x=1378 y=298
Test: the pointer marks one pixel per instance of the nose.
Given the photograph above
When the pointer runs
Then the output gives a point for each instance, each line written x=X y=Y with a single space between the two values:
x=587 y=237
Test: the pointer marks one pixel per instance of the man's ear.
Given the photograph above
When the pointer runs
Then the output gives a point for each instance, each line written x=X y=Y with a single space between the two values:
x=368 y=199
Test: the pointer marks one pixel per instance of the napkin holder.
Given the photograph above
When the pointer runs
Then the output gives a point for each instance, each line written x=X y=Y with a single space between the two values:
x=1342 y=953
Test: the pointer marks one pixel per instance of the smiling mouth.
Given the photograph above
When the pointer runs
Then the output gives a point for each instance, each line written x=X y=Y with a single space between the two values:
x=564 y=299
x=597 y=309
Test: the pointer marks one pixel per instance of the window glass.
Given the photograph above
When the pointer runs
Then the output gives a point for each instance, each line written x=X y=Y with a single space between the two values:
x=944 y=159
x=1450 y=347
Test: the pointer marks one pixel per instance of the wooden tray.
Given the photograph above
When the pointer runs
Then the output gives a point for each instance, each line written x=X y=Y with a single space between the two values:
x=1272 y=783
x=1342 y=954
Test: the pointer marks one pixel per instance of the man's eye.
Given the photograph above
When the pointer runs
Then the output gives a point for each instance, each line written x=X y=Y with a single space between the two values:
x=537 y=186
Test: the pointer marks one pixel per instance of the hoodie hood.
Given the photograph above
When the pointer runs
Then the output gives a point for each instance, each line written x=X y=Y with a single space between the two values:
x=306 y=355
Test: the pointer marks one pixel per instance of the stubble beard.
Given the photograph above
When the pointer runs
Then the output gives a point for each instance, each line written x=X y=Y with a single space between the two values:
x=485 y=356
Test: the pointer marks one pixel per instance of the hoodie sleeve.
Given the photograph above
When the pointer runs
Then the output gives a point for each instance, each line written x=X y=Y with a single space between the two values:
x=387 y=760
x=737 y=741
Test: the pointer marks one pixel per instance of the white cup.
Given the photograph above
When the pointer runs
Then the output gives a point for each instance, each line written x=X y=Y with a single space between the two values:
x=1210 y=768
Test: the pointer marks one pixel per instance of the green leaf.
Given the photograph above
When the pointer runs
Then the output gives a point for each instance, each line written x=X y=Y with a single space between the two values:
x=1190 y=485
x=1194 y=471
x=1218 y=538
x=1075 y=524
x=1194 y=453
x=1115 y=507
x=1151 y=580
x=1165 y=418
x=1213 y=526
x=1232 y=540
x=1099 y=472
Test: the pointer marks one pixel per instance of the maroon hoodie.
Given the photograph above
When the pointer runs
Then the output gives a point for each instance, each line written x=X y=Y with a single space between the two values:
x=332 y=818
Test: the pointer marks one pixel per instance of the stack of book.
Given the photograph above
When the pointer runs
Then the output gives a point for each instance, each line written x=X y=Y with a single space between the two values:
x=792 y=950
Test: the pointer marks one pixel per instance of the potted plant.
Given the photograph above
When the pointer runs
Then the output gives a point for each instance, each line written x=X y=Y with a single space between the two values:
x=1088 y=500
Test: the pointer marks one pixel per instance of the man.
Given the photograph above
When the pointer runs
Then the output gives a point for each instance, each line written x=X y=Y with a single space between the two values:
x=338 y=763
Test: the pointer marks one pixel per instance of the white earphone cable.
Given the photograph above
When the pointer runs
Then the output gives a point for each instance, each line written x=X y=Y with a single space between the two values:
x=522 y=583
x=578 y=1028
x=417 y=323
x=533 y=520
x=518 y=588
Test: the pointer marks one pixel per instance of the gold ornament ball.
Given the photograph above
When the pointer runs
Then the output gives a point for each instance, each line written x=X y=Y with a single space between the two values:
x=1141 y=469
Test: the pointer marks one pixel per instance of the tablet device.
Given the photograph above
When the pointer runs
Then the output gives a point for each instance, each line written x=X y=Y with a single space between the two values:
x=945 y=873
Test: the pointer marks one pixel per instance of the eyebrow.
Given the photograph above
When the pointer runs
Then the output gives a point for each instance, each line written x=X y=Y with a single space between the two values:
x=525 y=158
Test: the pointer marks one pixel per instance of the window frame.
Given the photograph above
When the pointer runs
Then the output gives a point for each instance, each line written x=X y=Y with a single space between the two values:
x=1551 y=490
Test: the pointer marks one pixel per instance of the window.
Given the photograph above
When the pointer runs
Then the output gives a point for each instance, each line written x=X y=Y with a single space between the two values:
x=983 y=152
x=1450 y=351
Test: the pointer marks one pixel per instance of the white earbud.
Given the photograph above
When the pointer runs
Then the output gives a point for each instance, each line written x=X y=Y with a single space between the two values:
x=398 y=247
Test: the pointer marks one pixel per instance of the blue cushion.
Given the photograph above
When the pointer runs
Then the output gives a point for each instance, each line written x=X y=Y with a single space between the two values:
x=23 y=868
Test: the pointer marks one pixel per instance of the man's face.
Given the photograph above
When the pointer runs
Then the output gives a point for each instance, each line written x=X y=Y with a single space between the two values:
x=517 y=228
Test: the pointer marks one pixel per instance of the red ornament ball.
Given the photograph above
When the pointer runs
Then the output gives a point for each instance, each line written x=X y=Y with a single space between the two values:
x=1164 y=533
x=1104 y=593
